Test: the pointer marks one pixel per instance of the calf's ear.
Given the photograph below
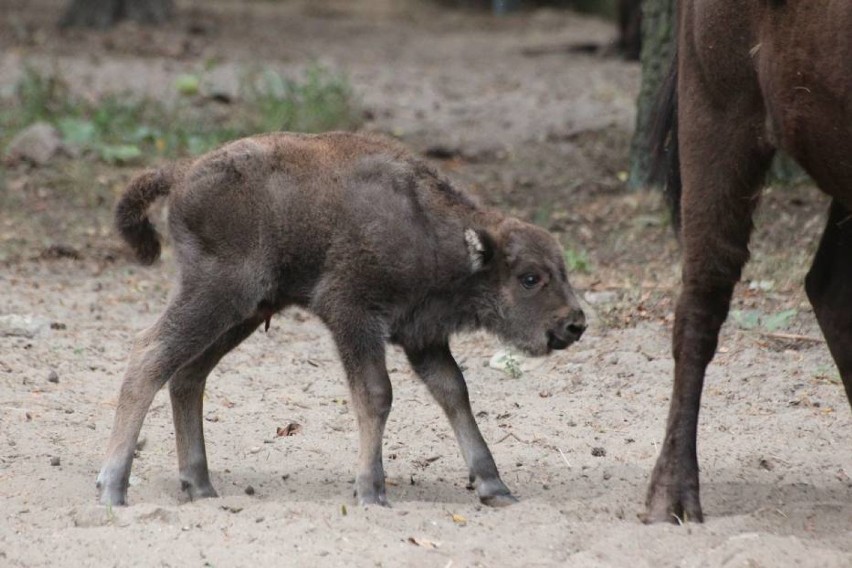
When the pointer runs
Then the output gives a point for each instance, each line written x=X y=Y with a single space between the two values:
x=480 y=248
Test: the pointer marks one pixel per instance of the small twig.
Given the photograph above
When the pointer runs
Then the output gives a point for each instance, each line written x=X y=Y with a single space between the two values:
x=791 y=336
x=561 y=453
x=511 y=435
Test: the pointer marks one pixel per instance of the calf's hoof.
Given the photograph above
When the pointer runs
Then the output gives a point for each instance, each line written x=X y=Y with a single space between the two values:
x=494 y=493
x=372 y=499
x=110 y=495
x=672 y=504
x=197 y=491
x=369 y=492
x=498 y=500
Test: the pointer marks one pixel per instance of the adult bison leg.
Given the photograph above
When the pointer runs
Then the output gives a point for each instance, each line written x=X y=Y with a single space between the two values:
x=723 y=161
x=829 y=288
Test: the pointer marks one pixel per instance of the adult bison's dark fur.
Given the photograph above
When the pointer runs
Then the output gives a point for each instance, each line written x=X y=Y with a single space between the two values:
x=364 y=235
x=750 y=78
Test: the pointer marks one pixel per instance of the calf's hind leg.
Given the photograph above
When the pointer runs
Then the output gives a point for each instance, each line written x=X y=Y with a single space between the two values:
x=722 y=165
x=189 y=325
x=362 y=352
x=438 y=369
x=186 y=389
x=829 y=288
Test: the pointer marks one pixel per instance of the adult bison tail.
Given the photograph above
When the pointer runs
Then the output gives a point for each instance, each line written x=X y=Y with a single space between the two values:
x=131 y=213
x=664 y=144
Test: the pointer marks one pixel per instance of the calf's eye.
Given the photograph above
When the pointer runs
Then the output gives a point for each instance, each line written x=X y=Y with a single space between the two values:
x=530 y=280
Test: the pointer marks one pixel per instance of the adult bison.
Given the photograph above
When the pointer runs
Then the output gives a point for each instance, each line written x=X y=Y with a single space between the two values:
x=749 y=78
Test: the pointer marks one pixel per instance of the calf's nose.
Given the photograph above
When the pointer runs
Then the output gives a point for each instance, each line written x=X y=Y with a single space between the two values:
x=575 y=325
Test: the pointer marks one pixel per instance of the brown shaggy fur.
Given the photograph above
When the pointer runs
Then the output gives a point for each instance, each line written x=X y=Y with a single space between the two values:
x=364 y=235
x=751 y=77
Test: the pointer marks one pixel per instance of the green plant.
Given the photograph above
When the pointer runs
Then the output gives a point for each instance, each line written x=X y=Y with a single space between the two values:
x=42 y=96
x=577 y=261
x=755 y=319
x=321 y=100
x=122 y=128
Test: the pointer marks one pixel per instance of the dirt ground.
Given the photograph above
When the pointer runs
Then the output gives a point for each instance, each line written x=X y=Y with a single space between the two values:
x=530 y=127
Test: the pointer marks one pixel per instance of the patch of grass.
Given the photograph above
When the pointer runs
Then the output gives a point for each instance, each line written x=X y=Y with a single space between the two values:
x=120 y=129
x=755 y=319
x=577 y=261
x=320 y=101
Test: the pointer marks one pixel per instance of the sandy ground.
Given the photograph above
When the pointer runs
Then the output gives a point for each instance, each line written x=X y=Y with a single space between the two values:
x=575 y=437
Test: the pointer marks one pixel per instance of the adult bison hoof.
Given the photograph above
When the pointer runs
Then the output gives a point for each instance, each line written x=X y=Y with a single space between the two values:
x=676 y=503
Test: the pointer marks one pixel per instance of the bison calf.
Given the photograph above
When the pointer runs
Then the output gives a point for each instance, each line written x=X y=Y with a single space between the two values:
x=362 y=234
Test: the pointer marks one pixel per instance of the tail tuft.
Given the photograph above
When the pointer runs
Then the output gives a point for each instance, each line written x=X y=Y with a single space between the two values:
x=131 y=213
x=664 y=144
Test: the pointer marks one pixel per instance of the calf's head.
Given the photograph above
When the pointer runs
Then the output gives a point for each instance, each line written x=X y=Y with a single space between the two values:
x=531 y=304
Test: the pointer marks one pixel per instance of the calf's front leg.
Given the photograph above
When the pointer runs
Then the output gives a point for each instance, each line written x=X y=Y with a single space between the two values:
x=437 y=368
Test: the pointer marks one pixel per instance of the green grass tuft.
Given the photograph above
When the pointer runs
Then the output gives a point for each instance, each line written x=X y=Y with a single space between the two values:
x=577 y=261
x=121 y=129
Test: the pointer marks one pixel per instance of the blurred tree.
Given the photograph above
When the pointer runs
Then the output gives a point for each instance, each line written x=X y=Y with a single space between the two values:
x=104 y=13
x=658 y=36
x=630 y=28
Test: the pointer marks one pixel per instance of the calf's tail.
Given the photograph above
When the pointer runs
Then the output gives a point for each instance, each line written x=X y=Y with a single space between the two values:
x=664 y=144
x=131 y=213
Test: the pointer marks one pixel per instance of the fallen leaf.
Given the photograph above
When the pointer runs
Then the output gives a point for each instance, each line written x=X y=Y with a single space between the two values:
x=423 y=542
x=459 y=520
x=290 y=429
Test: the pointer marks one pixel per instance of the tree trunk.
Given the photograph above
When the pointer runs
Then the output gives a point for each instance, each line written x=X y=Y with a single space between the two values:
x=104 y=13
x=658 y=37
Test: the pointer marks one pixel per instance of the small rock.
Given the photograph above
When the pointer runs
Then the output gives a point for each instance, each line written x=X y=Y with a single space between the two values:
x=54 y=461
x=249 y=490
x=598 y=452
x=17 y=325
x=52 y=377
x=36 y=144
x=603 y=297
